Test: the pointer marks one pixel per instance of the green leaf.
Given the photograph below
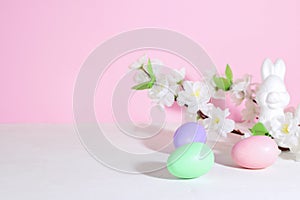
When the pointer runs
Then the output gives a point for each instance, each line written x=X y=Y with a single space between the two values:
x=150 y=71
x=149 y=67
x=222 y=83
x=143 y=86
x=259 y=129
x=228 y=73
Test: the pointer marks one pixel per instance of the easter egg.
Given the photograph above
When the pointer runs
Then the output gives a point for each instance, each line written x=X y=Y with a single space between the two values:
x=188 y=133
x=255 y=152
x=191 y=160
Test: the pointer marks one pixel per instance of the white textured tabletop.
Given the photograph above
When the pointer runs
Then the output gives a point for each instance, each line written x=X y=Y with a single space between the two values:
x=49 y=162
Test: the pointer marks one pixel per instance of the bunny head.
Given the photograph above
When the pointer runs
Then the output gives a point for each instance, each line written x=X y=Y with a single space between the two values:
x=272 y=96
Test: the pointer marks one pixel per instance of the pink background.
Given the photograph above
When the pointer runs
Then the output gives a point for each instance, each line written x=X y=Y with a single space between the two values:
x=44 y=43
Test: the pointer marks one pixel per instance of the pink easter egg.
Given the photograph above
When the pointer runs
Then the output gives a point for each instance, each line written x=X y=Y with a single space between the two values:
x=255 y=152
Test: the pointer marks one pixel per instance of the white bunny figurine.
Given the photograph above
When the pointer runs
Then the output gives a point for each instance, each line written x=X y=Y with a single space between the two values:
x=272 y=96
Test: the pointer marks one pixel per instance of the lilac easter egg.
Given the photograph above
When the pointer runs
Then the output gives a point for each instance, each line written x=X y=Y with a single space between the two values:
x=188 y=133
x=255 y=152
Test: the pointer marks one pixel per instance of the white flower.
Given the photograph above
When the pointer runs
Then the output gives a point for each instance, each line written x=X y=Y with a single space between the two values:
x=139 y=62
x=166 y=87
x=162 y=92
x=176 y=76
x=251 y=111
x=143 y=61
x=141 y=75
x=240 y=89
x=214 y=92
x=217 y=121
x=195 y=96
x=285 y=130
x=191 y=117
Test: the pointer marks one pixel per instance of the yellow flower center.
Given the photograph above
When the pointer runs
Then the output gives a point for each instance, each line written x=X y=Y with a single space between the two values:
x=285 y=128
x=196 y=93
x=217 y=120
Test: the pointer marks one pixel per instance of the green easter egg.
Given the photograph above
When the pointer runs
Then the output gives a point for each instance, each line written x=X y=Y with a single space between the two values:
x=191 y=160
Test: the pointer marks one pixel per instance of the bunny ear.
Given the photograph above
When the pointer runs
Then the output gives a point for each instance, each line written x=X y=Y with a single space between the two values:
x=267 y=68
x=279 y=68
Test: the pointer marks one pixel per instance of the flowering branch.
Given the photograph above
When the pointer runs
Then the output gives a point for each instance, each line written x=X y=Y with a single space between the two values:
x=167 y=88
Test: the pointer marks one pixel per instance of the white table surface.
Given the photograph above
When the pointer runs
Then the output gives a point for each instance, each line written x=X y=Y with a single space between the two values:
x=48 y=162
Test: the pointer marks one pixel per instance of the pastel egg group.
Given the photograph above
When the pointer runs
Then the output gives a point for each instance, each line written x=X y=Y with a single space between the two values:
x=255 y=152
x=191 y=160
x=188 y=133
